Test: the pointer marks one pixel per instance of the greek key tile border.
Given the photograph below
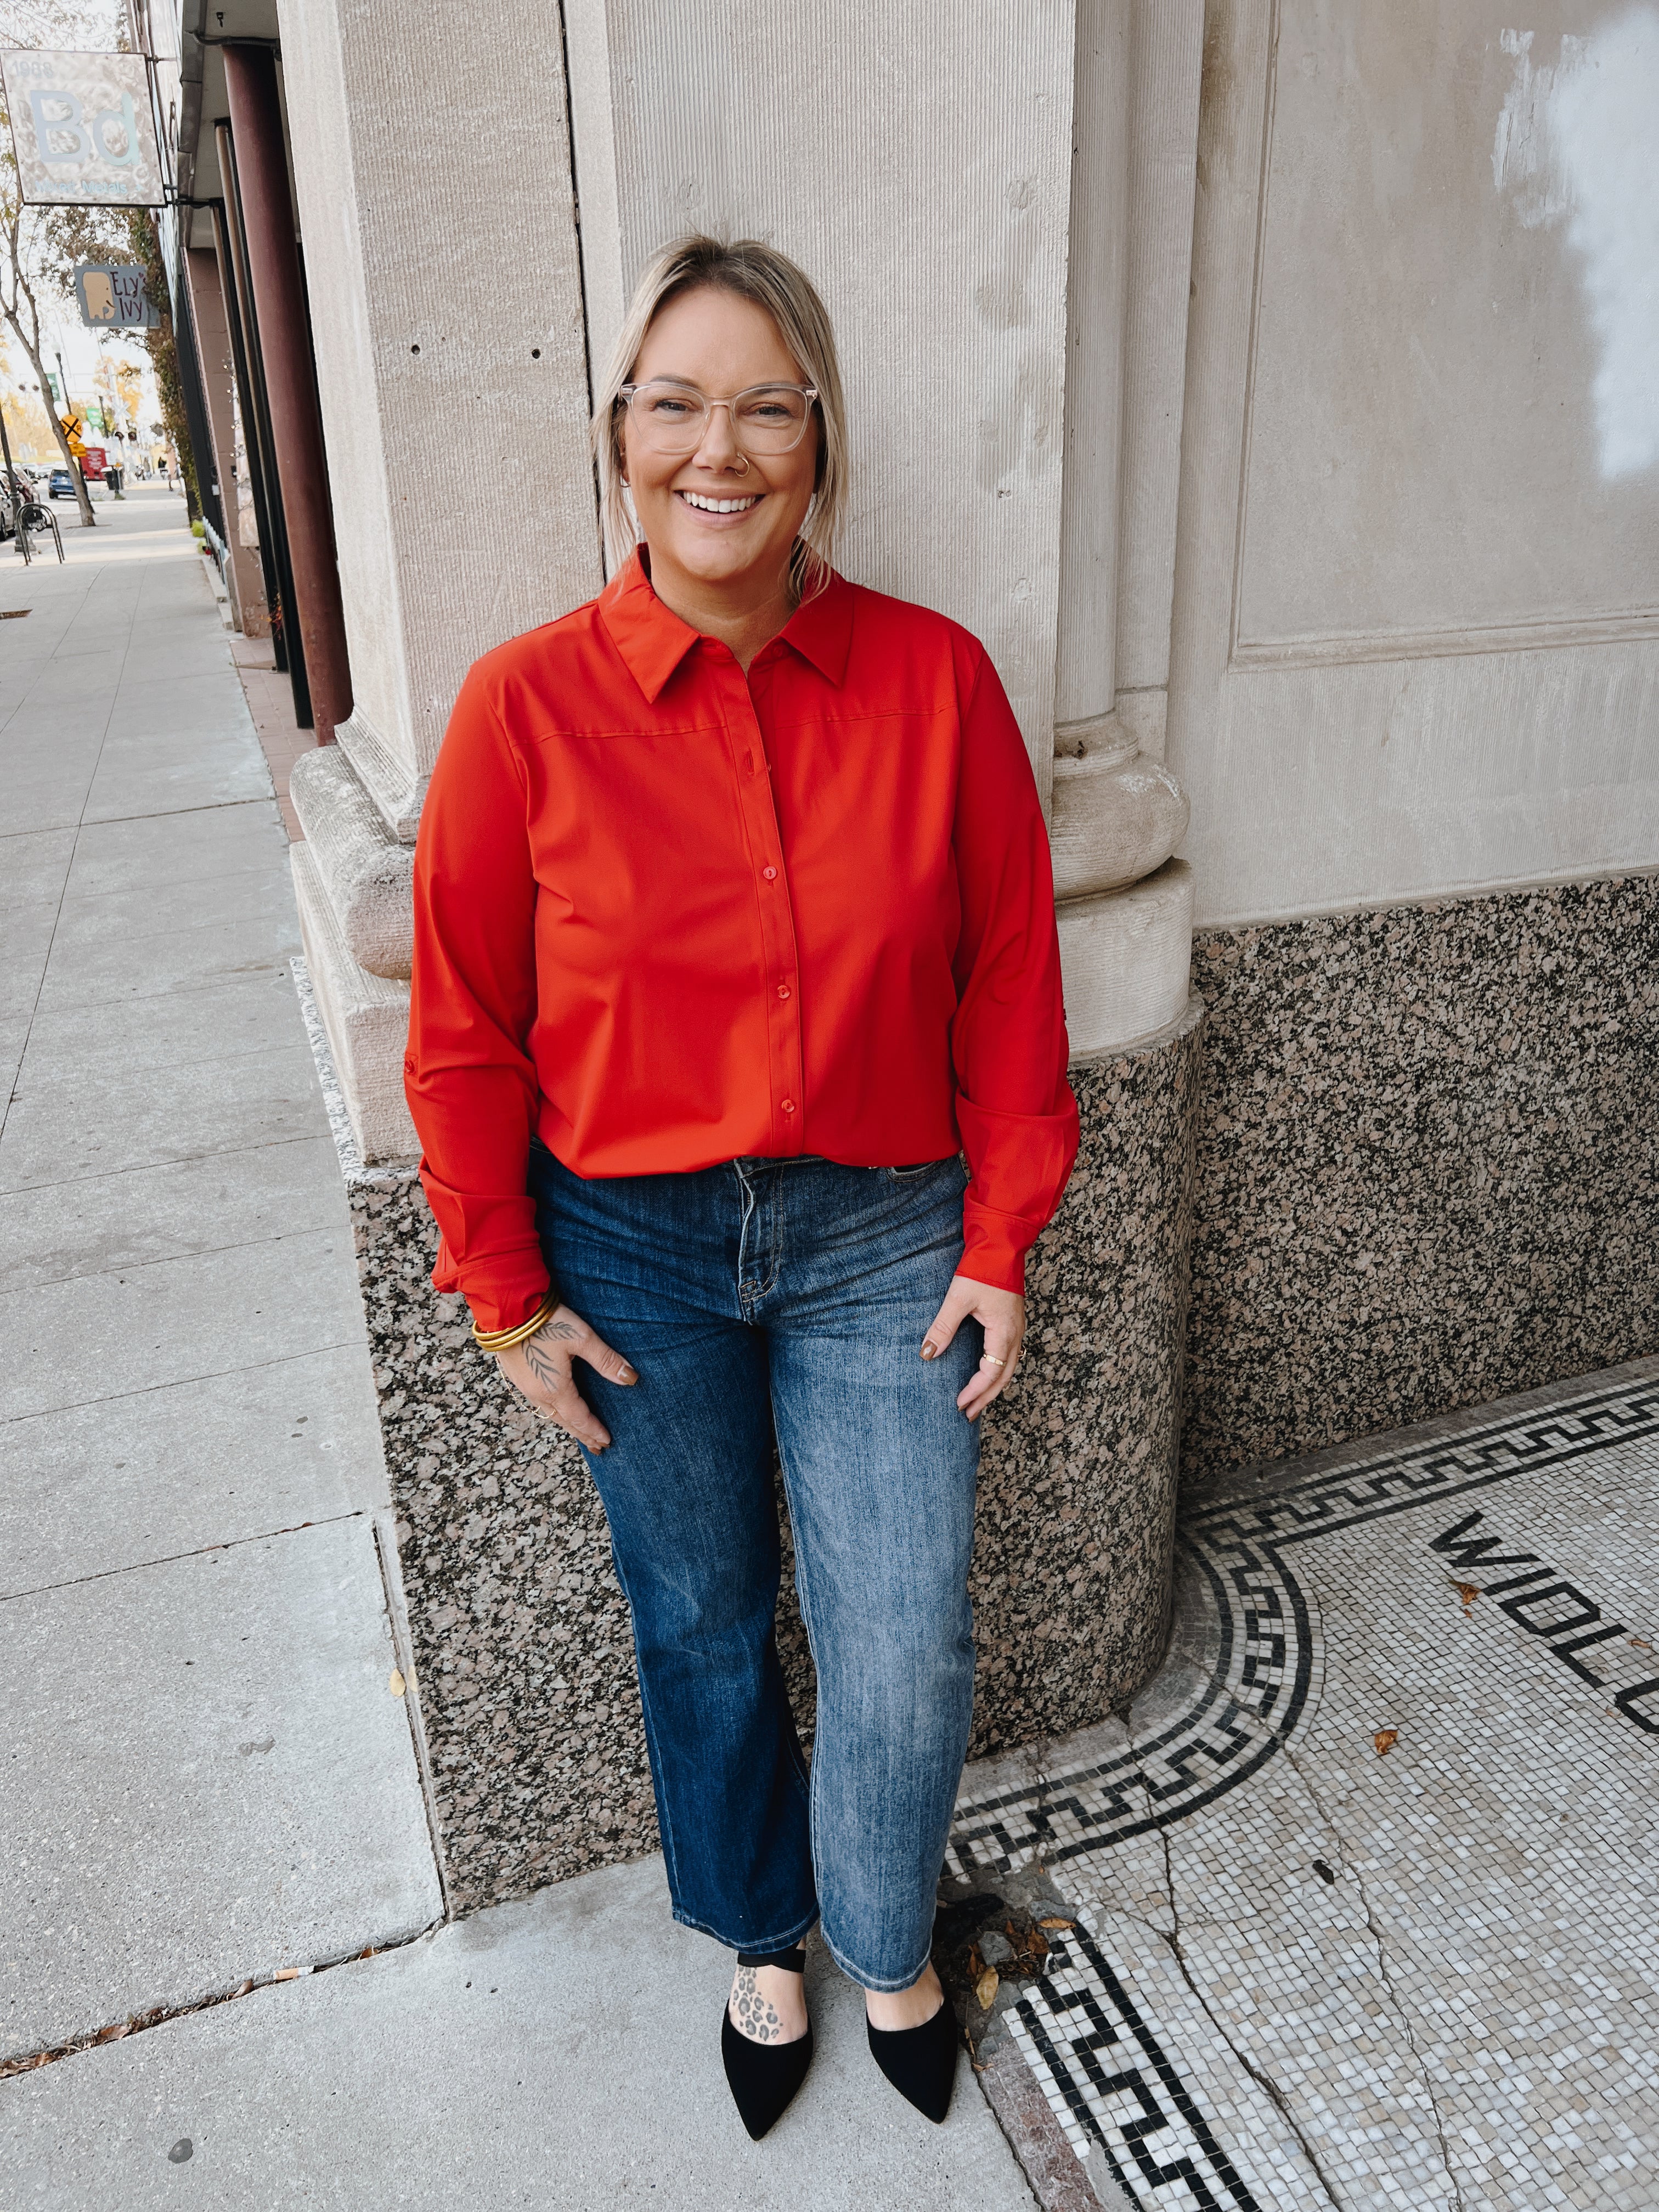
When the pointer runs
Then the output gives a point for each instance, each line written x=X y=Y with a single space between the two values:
x=1262 y=1683
x=1111 y=2086
x=1111 y=2083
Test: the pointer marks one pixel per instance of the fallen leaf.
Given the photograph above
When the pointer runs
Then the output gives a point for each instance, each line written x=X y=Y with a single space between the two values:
x=1055 y=1921
x=395 y=1683
x=112 y=2034
x=1638 y=1645
x=244 y=1989
x=985 y=1989
x=1385 y=1740
x=1467 y=1592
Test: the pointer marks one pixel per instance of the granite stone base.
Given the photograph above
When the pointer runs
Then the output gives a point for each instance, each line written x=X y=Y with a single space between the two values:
x=520 y=1637
x=1077 y=1491
x=1428 y=1164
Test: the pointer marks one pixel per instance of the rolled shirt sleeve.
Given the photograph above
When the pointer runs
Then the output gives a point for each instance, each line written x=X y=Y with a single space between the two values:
x=468 y=1075
x=1015 y=1110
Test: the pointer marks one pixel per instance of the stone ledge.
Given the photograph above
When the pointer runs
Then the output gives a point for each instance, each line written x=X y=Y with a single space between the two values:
x=395 y=788
x=366 y=1018
x=368 y=876
x=1115 y=821
x=1126 y=959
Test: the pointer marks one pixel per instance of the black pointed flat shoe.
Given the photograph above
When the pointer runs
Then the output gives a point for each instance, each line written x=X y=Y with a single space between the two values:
x=921 y=2062
x=762 y=2077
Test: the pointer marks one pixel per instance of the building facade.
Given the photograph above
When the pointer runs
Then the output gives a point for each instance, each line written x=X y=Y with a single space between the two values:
x=1272 y=388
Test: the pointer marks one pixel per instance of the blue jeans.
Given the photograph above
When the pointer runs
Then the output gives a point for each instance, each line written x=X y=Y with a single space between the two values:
x=792 y=1293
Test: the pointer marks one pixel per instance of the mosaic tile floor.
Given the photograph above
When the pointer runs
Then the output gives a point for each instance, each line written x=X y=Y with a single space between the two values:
x=1365 y=1887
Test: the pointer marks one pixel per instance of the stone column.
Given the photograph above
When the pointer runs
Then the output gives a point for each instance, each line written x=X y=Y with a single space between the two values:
x=1126 y=908
x=438 y=223
x=1096 y=1433
x=207 y=303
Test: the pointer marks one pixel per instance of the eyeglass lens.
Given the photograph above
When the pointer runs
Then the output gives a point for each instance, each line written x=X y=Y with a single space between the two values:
x=767 y=418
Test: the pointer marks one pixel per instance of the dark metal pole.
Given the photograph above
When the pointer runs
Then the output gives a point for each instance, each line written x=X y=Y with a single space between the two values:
x=279 y=578
x=20 y=529
x=195 y=417
x=296 y=427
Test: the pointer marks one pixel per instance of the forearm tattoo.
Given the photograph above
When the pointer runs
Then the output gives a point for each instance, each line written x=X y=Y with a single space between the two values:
x=752 y=2013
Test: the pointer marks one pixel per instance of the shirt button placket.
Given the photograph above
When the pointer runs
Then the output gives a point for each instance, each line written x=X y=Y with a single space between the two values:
x=777 y=928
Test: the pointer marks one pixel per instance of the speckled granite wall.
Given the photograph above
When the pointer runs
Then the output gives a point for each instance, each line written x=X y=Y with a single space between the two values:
x=1076 y=1520
x=523 y=1658
x=1428 y=1164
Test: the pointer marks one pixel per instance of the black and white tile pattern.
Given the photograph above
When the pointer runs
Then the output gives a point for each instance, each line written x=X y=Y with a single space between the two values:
x=1367 y=1883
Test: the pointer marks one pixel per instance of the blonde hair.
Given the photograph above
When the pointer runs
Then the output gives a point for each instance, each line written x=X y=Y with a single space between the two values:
x=772 y=281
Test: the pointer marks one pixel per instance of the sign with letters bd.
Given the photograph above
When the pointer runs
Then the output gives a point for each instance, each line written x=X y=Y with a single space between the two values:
x=81 y=129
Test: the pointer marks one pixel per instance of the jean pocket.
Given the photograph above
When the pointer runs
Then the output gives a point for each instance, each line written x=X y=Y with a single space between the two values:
x=918 y=1171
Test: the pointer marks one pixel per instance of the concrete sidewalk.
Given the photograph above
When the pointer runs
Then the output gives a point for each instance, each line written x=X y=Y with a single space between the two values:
x=207 y=1775
x=210 y=1777
x=560 y=2053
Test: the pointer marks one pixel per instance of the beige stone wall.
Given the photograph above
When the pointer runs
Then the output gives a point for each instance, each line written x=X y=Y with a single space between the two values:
x=433 y=178
x=918 y=163
x=1417 y=619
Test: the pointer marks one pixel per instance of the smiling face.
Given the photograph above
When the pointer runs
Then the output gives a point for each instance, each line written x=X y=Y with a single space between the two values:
x=721 y=523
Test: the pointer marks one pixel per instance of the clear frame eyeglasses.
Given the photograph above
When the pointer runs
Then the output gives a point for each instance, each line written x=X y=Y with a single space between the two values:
x=672 y=417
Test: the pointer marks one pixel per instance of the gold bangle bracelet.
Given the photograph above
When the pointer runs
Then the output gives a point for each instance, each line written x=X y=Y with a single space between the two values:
x=502 y=1340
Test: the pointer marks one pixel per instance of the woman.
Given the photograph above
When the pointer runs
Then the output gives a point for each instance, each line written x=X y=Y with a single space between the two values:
x=734 y=928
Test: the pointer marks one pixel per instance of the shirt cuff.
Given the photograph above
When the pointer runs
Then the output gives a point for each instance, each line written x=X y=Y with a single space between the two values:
x=994 y=1245
x=502 y=1292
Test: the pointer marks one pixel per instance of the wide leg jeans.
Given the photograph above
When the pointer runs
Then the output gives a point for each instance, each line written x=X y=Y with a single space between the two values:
x=794 y=1295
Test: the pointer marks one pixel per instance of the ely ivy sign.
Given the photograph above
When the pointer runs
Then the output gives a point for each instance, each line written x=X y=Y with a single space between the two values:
x=81 y=129
x=110 y=295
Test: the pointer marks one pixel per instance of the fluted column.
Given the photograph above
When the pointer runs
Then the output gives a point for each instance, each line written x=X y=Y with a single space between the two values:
x=1118 y=813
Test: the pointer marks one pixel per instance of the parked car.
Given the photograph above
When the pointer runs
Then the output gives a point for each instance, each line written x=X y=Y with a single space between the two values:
x=62 y=485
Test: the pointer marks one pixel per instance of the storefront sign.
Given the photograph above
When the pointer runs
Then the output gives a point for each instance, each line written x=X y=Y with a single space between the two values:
x=112 y=296
x=82 y=130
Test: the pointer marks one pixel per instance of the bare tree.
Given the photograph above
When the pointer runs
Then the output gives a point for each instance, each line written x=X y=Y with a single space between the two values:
x=40 y=246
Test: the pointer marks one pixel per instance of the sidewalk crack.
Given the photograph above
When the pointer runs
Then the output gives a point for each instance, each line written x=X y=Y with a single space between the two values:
x=1384 y=1972
x=28 y=2062
x=1172 y=1939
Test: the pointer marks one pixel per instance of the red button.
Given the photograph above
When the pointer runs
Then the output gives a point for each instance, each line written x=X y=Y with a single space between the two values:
x=769 y=873
x=788 y=1105
x=783 y=990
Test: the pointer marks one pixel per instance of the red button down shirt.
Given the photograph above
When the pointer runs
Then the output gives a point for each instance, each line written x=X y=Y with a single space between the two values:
x=667 y=914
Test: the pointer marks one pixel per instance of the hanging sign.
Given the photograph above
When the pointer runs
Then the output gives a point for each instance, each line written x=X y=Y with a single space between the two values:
x=112 y=296
x=82 y=130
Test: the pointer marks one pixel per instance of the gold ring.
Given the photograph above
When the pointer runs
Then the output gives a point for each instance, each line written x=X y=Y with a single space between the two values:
x=994 y=1361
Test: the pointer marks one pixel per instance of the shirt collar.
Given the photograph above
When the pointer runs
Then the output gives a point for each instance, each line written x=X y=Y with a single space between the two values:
x=653 y=640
